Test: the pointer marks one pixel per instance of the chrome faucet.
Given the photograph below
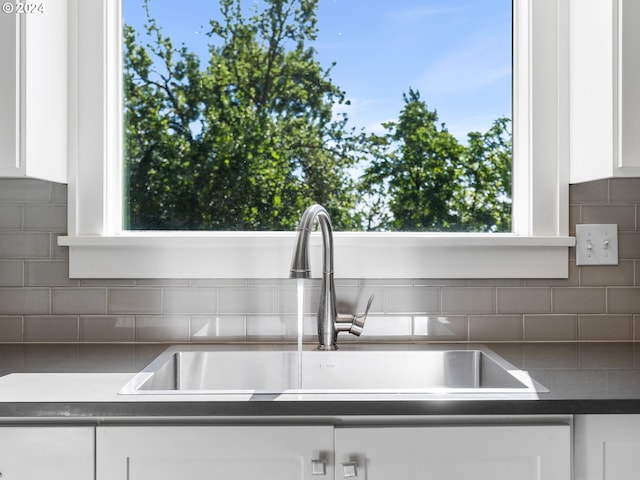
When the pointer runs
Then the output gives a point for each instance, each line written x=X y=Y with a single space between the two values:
x=329 y=321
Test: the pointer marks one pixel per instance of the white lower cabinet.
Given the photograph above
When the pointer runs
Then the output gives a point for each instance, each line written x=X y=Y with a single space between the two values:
x=607 y=447
x=307 y=452
x=43 y=452
x=455 y=452
x=224 y=452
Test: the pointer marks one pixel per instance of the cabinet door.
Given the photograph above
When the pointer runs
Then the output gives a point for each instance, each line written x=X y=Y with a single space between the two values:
x=51 y=453
x=206 y=452
x=9 y=93
x=454 y=453
x=607 y=447
x=34 y=91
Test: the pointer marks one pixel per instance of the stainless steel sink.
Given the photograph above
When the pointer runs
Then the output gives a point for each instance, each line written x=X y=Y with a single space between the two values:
x=352 y=369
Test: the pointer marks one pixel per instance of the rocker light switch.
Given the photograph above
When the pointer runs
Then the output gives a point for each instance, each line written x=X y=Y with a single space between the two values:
x=597 y=244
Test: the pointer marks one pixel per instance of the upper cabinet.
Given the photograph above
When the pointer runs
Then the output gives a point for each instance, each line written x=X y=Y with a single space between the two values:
x=33 y=90
x=604 y=89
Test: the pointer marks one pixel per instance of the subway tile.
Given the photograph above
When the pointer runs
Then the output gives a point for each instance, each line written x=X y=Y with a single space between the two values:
x=162 y=328
x=386 y=328
x=623 y=383
x=162 y=282
x=218 y=328
x=107 y=282
x=496 y=282
x=11 y=273
x=636 y=327
x=623 y=299
x=350 y=299
x=10 y=329
x=550 y=328
x=622 y=215
x=476 y=300
x=591 y=192
x=573 y=280
x=54 y=328
x=578 y=383
x=495 y=328
x=621 y=274
x=246 y=300
x=107 y=328
x=606 y=355
x=628 y=245
x=219 y=282
x=49 y=218
x=624 y=190
x=339 y=282
x=354 y=299
x=24 y=245
x=286 y=300
x=24 y=190
x=134 y=300
x=578 y=300
x=452 y=328
x=574 y=218
x=395 y=282
x=59 y=193
x=10 y=217
x=278 y=328
x=265 y=282
x=605 y=327
x=441 y=282
x=309 y=328
x=190 y=300
x=107 y=358
x=25 y=301
x=12 y=358
x=412 y=300
x=79 y=301
x=43 y=358
x=41 y=273
x=549 y=356
x=511 y=352
x=524 y=300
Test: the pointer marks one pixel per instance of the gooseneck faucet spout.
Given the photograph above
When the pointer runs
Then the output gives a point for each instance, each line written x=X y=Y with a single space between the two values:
x=329 y=321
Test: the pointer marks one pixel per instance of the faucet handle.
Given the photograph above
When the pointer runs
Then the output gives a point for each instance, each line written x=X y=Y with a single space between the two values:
x=353 y=324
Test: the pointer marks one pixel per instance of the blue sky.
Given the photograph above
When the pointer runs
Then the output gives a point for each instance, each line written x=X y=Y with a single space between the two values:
x=457 y=53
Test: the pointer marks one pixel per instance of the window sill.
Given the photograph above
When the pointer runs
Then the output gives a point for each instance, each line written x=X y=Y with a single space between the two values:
x=357 y=255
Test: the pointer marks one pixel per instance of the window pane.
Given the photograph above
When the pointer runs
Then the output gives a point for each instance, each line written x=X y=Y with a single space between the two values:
x=393 y=115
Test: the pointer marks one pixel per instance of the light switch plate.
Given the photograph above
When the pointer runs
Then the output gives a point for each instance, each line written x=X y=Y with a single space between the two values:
x=597 y=244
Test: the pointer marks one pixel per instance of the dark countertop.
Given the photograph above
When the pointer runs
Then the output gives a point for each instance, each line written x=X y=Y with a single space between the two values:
x=81 y=382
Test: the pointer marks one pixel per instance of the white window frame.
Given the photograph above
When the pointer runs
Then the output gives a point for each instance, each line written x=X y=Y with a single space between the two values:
x=538 y=247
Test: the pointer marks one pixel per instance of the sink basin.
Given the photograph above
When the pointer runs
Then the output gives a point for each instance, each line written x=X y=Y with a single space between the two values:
x=351 y=369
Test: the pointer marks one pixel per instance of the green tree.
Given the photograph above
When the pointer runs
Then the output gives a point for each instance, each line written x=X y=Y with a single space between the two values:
x=247 y=138
x=245 y=142
x=422 y=179
x=484 y=199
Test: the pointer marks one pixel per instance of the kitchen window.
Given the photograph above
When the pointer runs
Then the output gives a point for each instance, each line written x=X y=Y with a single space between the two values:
x=99 y=248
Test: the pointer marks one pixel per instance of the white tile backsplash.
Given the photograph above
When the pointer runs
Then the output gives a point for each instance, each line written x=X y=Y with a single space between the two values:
x=107 y=328
x=82 y=301
x=39 y=303
x=134 y=301
x=25 y=301
x=202 y=300
x=11 y=273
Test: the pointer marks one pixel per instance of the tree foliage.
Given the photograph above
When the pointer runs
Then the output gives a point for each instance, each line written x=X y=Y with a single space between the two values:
x=247 y=138
x=245 y=142
x=428 y=181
